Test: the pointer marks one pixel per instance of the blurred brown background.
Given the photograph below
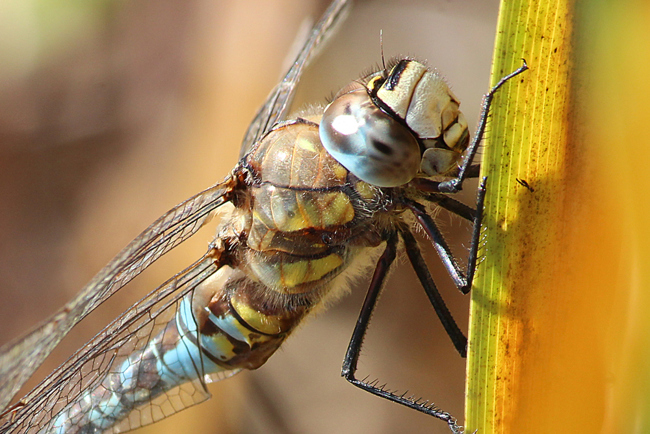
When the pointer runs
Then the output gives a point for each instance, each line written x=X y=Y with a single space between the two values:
x=113 y=112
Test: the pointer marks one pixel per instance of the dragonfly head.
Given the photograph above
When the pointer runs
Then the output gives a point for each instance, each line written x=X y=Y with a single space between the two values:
x=392 y=127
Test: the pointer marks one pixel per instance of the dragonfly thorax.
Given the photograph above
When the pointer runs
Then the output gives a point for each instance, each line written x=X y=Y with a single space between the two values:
x=392 y=127
x=306 y=217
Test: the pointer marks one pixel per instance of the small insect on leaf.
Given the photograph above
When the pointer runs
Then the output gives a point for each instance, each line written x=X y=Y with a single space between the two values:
x=525 y=183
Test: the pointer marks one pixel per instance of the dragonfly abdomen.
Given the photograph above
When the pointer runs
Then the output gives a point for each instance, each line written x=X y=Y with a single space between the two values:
x=234 y=330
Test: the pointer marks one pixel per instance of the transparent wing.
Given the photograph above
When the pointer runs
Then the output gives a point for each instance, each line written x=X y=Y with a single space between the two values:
x=84 y=384
x=279 y=100
x=19 y=359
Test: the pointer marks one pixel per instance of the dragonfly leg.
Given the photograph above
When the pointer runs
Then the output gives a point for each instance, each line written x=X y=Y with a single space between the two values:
x=439 y=243
x=476 y=233
x=452 y=205
x=463 y=281
x=378 y=277
x=456 y=184
x=354 y=348
x=419 y=265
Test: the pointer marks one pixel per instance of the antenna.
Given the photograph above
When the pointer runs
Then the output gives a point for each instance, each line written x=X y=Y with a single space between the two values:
x=381 y=48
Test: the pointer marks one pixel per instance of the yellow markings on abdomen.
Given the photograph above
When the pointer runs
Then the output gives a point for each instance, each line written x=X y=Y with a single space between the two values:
x=219 y=345
x=268 y=324
x=296 y=273
x=290 y=274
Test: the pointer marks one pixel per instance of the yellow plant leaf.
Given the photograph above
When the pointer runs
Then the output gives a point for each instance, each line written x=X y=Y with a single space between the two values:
x=515 y=316
x=559 y=329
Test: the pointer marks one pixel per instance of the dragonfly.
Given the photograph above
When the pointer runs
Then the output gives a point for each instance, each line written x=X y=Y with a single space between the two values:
x=233 y=307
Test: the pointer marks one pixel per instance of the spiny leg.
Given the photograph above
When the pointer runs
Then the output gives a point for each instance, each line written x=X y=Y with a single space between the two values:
x=354 y=348
x=452 y=205
x=419 y=265
x=429 y=185
x=463 y=281
x=467 y=169
x=456 y=184
x=476 y=233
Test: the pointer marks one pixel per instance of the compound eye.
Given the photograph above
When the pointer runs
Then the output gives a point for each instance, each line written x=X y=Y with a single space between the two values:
x=369 y=143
